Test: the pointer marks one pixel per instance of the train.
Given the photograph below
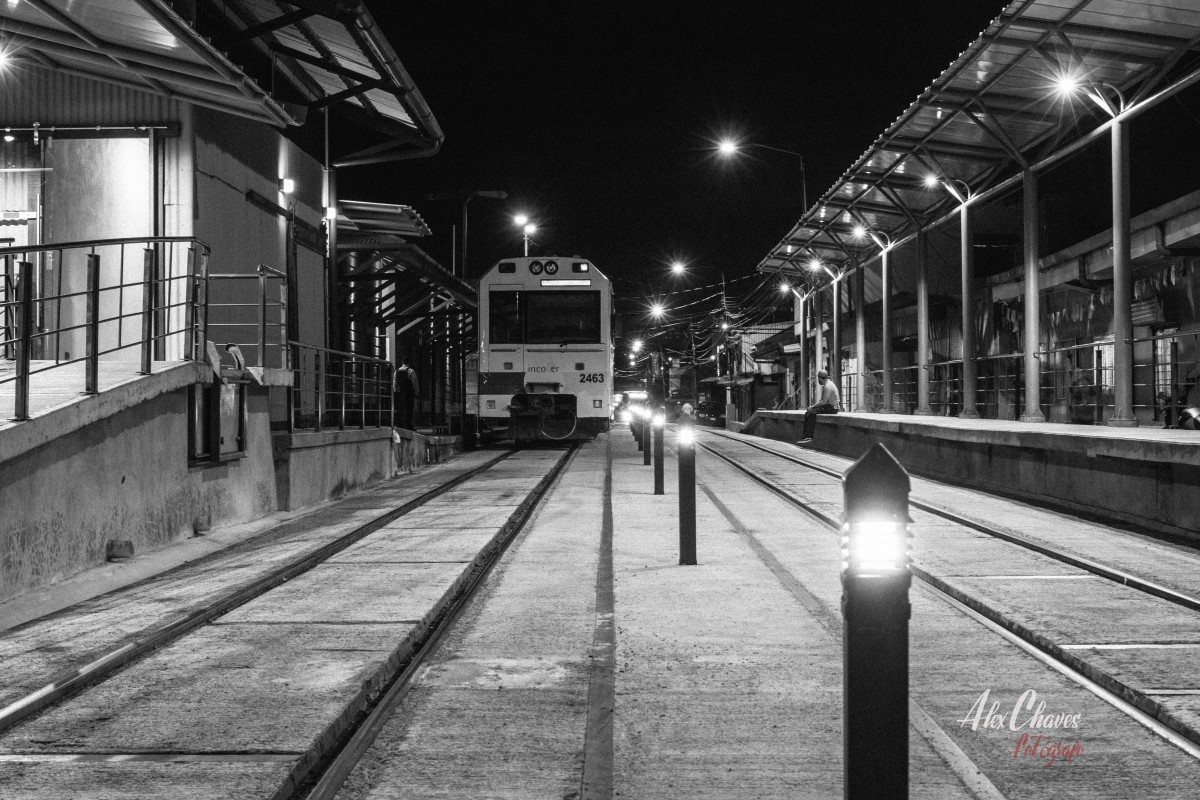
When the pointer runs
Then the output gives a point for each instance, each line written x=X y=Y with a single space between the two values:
x=545 y=361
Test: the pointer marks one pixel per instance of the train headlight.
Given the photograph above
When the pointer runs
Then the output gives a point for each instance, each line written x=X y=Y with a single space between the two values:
x=535 y=267
x=627 y=416
x=551 y=267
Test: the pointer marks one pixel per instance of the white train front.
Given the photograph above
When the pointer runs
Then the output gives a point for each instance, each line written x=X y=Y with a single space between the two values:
x=545 y=349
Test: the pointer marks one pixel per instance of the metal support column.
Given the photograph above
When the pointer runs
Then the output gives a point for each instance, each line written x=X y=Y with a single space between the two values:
x=91 y=374
x=820 y=335
x=860 y=338
x=967 y=242
x=802 y=380
x=835 y=344
x=26 y=320
x=923 y=359
x=885 y=336
x=1123 y=415
x=149 y=287
x=1033 y=407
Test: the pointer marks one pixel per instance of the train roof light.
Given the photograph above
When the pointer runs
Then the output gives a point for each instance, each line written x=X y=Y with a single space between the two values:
x=579 y=266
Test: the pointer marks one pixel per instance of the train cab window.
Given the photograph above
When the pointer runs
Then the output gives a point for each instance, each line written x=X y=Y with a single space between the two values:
x=562 y=317
x=504 y=320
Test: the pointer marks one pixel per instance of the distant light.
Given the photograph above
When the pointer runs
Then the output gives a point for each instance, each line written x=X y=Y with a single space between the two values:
x=814 y=264
x=686 y=435
x=724 y=326
x=657 y=310
x=331 y=213
x=727 y=147
x=859 y=231
x=636 y=346
x=783 y=287
x=287 y=185
x=678 y=267
x=931 y=180
x=530 y=230
x=789 y=249
x=659 y=419
x=521 y=220
x=712 y=358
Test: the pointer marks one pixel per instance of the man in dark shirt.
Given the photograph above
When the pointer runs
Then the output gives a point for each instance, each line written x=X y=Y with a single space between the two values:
x=406 y=388
x=828 y=402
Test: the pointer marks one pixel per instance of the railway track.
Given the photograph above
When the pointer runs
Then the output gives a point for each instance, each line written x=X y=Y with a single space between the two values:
x=372 y=701
x=1171 y=723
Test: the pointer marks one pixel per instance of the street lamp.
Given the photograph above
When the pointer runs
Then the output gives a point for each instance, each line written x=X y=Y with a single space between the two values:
x=1068 y=85
x=527 y=228
x=728 y=148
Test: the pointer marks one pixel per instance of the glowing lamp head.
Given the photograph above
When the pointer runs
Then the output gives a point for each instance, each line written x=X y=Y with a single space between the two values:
x=814 y=264
x=724 y=326
x=686 y=435
x=859 y=232
x=287 y=185
x=678 y=267
x=521 y=220
x=660 y=419
x=1066 y=84
x=931 y=181
x=657 y=310
x=636 y=346
x=727 y=147
x=530 y=230
x=784 y=288
x=875 y=537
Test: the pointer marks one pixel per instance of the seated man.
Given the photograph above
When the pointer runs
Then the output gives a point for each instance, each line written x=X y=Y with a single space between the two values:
x=828 y=402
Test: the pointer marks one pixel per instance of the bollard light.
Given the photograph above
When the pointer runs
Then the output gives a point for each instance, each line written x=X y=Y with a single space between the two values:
x=875 y=582
x=685 y=452
x=648 y=436
x=660 y=422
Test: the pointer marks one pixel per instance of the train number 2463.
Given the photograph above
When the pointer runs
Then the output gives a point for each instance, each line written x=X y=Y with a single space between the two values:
x=591 y=377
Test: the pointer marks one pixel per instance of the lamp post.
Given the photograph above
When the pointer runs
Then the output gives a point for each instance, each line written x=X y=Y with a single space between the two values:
x=728 y=148
x=1069 y=85
x=885 y=244
x=527 y=229
x=964 y=196
x=875 y=606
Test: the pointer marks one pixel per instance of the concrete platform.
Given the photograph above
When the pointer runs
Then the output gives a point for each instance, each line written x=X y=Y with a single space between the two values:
x=1143 y=477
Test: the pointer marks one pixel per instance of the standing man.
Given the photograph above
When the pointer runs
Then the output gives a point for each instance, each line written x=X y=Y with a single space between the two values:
x=828 y=402
x=405 y=389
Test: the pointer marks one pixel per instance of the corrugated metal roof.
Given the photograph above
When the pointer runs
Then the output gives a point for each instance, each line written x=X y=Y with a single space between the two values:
x=293 y=58
x=995 y=110
x=365 y=220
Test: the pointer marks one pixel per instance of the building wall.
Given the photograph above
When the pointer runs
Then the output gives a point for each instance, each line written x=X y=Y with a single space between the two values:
x=123 y=477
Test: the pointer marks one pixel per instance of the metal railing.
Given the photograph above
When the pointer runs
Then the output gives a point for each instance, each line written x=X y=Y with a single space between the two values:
x=58 y=306
x=332 y=389
x=259 y=329
x=1075 y=384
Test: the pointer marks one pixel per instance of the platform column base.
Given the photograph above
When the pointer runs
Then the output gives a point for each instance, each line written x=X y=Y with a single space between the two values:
x=1038 y=417
x=1121 y=422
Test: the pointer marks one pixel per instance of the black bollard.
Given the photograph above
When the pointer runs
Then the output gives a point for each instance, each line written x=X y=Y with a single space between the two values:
x=875 y=582
x=660 y=422
x=686 y=453
x=648 y=437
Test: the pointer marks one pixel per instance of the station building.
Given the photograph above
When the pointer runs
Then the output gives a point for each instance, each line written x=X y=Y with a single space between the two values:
x=197 y=329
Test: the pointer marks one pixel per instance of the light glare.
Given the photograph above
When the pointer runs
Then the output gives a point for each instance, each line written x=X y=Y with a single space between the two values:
x=727 y=147
x=859 y=231
x=657 y=310
x=678 y=268
x=636 y=346
x=530 y=230
x=931 y=180
x=686 y=435
x=1067 y=84
x=521 y=220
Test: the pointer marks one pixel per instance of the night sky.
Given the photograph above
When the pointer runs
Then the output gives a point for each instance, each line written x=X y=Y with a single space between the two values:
x=600 y=119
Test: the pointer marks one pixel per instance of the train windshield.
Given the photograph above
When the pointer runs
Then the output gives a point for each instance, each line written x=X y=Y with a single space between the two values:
x=548 y=317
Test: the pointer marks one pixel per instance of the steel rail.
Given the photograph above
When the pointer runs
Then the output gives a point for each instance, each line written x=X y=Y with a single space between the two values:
x=1152 y=714
x=336 y=768
x=71 y=682
x=1188 y=601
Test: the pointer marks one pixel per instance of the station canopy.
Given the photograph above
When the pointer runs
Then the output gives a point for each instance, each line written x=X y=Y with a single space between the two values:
x=1003 y=105
x=275 y=61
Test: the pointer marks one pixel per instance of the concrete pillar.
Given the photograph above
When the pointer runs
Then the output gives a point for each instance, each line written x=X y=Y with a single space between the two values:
x=967 y=239
x=1033 y=408
x=860 y=338
x=886 y=330
x=1123 y=415
x=923 y=408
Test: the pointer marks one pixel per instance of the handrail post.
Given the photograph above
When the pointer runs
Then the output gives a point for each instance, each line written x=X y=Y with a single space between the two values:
x=342 y=397
x=25 y=342
x=262 y=319
x=189 y=310
x=362 y=396
x=10 y=313
x=320 y=388
x=92 y=367
x=147 y=310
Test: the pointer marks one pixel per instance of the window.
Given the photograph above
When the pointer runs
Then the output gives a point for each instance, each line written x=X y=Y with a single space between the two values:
x=563 y=317
x=550 y=317
x=504 y=317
